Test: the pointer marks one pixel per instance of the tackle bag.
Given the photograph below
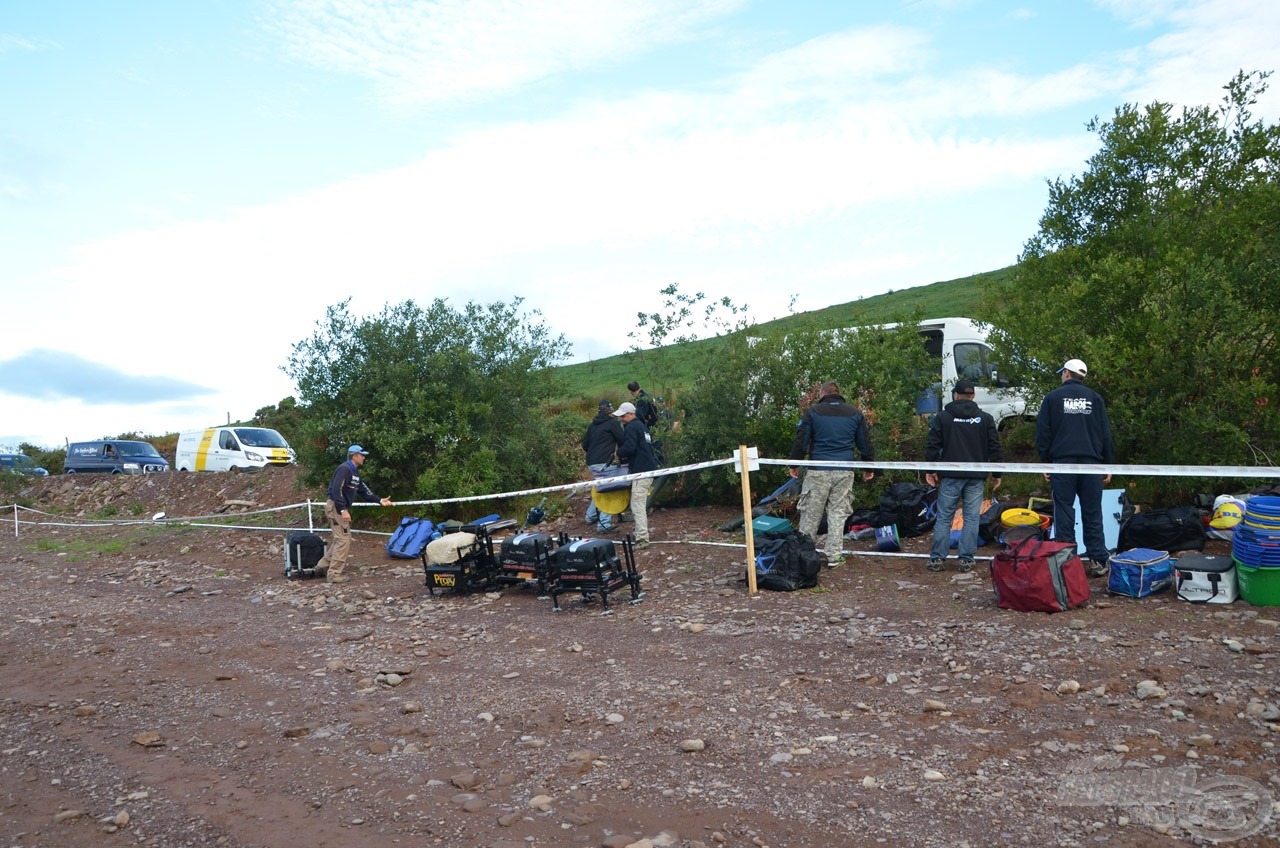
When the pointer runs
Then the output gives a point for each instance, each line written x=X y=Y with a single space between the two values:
x=411 y=537
x=788 y=563
x=302 y=553
x=1039 y=576
x=1203 y=579
x=1178 y=528
x=1139 y=572
x=910 y=506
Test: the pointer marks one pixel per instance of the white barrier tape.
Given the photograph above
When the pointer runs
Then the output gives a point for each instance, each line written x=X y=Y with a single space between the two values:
x=1041 y=468
x=193 y=517
x=581 y=484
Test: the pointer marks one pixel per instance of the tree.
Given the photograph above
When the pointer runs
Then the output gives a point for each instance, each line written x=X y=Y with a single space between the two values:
x=1159 y=266
x=448 y=401
x=753 y=389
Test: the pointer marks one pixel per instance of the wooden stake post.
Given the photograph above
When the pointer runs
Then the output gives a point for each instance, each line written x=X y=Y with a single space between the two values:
x=746 y=518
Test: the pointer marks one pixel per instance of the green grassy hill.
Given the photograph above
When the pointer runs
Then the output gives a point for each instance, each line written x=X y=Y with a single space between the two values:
x=608 y=377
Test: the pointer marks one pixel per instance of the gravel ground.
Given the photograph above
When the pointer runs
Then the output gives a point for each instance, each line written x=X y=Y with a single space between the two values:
x=167 y=686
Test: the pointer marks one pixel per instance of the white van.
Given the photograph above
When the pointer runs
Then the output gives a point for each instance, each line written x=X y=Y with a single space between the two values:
x=961 y=344
x=231 y=449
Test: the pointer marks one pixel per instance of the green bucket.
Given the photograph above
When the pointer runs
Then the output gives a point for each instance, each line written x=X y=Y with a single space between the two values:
x=1259 y=586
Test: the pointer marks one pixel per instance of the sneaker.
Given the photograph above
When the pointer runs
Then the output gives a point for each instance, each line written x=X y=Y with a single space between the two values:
x=641 y=545
x=936 y=564
x=832 y=562
x=341 y=578
x=964 y=565
x=1096 y=568
x=604 y=531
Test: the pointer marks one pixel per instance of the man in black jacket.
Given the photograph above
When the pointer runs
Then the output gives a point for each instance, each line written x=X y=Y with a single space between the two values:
x=831 y=429
x=961 y=432
x=1073 y=428
x=636 y=451
x=345 y=489
x=600 y=443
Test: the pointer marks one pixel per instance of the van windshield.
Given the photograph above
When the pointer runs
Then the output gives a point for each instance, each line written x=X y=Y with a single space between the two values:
x=261 y=437
x=137 y=449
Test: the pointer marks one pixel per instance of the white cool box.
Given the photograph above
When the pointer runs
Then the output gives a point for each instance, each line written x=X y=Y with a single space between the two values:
x=1205 y=579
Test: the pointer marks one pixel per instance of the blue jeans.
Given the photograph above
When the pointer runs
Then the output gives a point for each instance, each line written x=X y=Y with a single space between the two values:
x=965 y=492
x=593 y=514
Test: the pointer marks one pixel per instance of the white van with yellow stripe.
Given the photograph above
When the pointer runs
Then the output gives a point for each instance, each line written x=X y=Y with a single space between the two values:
x=231 y=449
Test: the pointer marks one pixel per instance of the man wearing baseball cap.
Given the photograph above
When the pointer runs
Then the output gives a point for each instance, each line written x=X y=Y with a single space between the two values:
x=345 y=489
x=1073 y=428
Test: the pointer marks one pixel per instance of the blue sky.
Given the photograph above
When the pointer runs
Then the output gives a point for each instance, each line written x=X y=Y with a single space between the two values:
x=184 y=188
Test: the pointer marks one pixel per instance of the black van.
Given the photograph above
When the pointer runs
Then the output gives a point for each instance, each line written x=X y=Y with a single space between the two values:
x=114 y=456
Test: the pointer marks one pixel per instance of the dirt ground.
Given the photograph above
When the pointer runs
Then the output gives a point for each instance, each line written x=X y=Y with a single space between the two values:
x=163 y=684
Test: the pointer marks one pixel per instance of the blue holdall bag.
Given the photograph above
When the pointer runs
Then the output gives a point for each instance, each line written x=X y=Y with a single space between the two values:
x=411 y=537
x=1140 y=572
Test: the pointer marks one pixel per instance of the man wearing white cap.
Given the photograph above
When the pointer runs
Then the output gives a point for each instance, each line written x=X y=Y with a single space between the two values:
x=1073 y=428
x=636 y=451
x=345 y=489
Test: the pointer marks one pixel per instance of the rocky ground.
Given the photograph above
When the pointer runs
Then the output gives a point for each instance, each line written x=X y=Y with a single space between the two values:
x=163 y=684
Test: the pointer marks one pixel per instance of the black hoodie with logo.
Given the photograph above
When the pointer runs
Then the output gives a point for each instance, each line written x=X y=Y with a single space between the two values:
x=962 y=432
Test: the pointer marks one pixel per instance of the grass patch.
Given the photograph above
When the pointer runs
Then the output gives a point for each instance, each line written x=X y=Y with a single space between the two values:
x=78 y=549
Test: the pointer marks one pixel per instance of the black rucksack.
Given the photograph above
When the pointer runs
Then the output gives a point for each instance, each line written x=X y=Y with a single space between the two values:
x=302 y=553
x=788 y=563
x=1178 y=528
x=910 y=505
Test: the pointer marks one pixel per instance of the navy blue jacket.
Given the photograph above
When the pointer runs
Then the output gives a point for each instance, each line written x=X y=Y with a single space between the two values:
x=636 y=450
x=1073 y=426
x=962 y=432
x=347 y=487
x=830 y=430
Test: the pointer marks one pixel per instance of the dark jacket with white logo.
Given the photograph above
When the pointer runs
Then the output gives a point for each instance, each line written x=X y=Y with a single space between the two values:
x=1073 y=426
x=962 y=432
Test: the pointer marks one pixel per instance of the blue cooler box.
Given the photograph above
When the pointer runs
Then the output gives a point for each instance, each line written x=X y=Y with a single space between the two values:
x=1140 y=572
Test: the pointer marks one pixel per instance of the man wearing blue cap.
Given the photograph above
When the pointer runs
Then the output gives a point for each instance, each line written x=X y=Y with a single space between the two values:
x=345 y=489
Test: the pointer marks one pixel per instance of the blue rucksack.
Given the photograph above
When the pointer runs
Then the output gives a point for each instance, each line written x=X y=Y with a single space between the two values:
x=411 y=537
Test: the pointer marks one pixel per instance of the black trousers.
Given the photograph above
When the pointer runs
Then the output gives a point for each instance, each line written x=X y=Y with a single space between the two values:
x=1088 y=488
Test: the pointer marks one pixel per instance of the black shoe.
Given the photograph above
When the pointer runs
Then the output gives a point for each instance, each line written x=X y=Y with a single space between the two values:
x=1097 y=568
x=936 y=564
x=964 y=565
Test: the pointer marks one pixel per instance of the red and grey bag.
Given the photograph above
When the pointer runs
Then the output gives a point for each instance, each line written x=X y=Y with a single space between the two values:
x=1039 y=576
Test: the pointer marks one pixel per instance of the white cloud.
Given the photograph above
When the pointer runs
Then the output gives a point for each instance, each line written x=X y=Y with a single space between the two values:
x=441 y=51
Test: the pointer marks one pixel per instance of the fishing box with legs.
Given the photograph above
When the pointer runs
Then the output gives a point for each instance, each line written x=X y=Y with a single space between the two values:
x=592 y=567
x=524 y=559
x=302 y=553
x=463 y=560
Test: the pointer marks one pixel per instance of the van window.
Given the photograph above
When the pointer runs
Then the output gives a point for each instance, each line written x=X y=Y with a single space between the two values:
x=138 y=449
x=226 y=441
x=972 y=362
x=261 y=437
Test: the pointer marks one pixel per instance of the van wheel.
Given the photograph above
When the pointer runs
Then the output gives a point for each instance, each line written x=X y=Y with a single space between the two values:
x=115 y=471
x=235 y=469
x=70 y=470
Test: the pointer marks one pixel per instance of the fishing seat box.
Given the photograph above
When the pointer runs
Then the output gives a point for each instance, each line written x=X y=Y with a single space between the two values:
x=1204 y=579
x=592 y=567
x=302 y=553
x=523 y=558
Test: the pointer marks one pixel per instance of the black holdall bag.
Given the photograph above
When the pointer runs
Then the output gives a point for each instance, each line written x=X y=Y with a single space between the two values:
x=788 y=563
x=1178 y=528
